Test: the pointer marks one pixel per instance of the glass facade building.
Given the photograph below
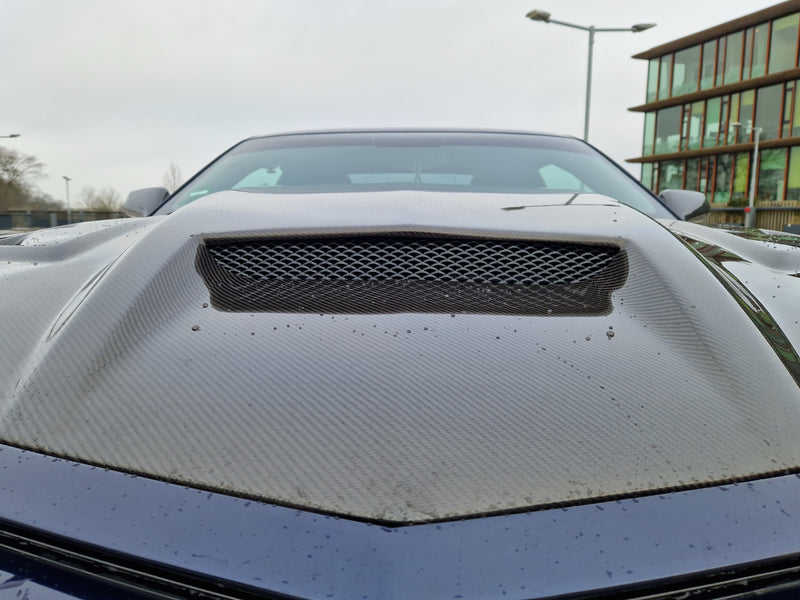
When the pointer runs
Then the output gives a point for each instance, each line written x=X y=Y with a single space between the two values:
x=705 y=95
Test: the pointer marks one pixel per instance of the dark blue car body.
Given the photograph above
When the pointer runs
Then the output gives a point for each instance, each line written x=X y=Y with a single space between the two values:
x=551 y=389
x=71 y=530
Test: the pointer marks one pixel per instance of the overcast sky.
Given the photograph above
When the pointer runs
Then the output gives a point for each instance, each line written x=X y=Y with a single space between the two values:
x=110 y=92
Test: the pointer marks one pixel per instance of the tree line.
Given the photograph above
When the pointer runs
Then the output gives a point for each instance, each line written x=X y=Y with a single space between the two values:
x=18 y=176
x=20 y=173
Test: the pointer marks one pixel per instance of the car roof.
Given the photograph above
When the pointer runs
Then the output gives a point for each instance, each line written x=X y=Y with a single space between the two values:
x=411 y=130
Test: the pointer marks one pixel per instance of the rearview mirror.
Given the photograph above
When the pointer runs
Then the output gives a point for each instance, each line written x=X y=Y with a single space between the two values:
x=144 y=202
x=686 y=204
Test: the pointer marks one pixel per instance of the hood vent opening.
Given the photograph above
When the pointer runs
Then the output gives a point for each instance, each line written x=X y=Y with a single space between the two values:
x=400 y=273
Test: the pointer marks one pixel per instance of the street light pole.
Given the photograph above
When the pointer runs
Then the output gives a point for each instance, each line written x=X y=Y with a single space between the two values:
x=750 y=216
x=588 y=84
x=69 y=212
x=544 y=16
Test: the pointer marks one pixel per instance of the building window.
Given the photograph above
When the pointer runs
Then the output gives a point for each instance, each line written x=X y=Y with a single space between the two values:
x=706 y=166
x=670 y=175
x=649 y=133
x=796 y=111
x=707 y=68
x=755 y=51
x=733 y=57
x=685 y=127
x=741 y=172
x=748 y=52
x=732 y=133
x=793 y=180
x=720 y=62
x=668 y=129
x=771 y=172
x=783 y=45
x=685 y=71
x=695 y=122
x=647 y=175
x=713 y=106
x=723 y=121
x=768 y=111
x=652 y=80
x=759 y=58
x=722 y=178
x=654 y=177
x=746 y=112
x=665 y=70
x=788 y=104
x=692 y=178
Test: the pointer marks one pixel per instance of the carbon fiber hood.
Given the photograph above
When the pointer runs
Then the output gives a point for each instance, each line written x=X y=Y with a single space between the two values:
x=128 y=347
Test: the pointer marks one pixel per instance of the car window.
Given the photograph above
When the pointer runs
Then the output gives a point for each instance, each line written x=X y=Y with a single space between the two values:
x=434 y=161
x=557 y=178
x=261 y=177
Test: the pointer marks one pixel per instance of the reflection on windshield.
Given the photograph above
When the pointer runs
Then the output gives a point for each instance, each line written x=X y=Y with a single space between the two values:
x=471 y=162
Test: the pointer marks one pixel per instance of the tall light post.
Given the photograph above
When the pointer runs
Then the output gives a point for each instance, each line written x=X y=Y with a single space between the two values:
x=541 y=15
x=69 y=212
x=750 y=213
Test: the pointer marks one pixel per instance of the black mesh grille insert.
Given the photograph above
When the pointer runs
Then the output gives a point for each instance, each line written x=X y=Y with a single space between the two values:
x=411 y=273
x=442 y=260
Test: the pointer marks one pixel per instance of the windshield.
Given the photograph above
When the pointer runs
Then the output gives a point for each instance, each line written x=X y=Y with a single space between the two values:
x=433 y=161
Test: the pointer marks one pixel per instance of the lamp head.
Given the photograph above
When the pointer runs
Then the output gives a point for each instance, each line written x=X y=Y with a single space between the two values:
x=539 y=15
x=642 y=26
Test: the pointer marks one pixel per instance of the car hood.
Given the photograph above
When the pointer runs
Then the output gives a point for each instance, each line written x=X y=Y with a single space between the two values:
x=133 y=346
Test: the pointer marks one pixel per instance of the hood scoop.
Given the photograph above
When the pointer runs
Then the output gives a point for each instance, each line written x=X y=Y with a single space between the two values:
x=397 y=273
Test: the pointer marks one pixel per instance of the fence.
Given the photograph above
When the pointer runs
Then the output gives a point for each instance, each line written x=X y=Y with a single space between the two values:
x=34 y=219
x=769 y=215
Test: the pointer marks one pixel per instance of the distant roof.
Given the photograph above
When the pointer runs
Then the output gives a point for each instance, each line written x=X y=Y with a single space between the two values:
x=778 y=10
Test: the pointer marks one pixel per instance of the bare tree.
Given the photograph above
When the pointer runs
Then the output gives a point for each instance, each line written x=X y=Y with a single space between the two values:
x=18 y=174
x=173 y=179
x=42 y=201
x=106 y=198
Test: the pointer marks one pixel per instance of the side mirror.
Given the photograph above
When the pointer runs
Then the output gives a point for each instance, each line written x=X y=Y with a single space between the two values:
x=144 y=202
x=688 y=205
